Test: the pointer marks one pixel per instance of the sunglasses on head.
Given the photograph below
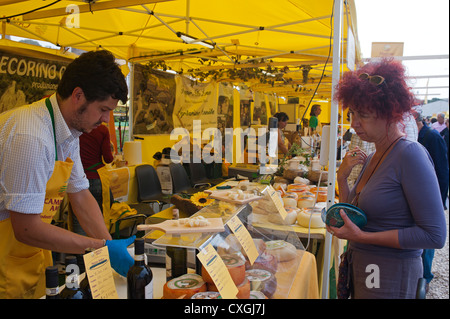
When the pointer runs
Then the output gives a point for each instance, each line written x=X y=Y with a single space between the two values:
x=375 y=79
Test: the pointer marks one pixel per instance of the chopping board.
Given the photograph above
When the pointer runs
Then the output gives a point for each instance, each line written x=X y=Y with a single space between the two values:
x=223 y=196
x=173 y=227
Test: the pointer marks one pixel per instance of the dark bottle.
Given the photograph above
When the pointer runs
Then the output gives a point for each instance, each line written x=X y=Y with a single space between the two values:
x=51 y=283
x=140 y=276
x=72 y=290
x=84 y=284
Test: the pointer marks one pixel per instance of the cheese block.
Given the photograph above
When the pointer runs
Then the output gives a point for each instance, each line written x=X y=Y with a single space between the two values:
x=235 y=265
x=290 y=218
x=304 y=215
x=207 y=295
x=184 y=287
x=243 y=289
x=321 y=196
x=262 y=280
x=281 y=250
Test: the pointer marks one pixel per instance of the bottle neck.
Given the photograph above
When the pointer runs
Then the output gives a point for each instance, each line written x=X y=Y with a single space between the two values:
x=139 y=259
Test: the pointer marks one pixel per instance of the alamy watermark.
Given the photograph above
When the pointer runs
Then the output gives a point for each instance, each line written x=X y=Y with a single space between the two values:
x=261 y=142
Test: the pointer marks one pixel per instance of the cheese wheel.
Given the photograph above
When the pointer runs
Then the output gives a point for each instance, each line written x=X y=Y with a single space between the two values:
x=235 y=265
x=243 y=289
x=263 y=281
x=183 y=287
x=293 y=195
x=290 y=218
x=305 y=202
x=304 y=216
x=321 y=196
x=297 y=187
x=281 y=250
x=288 y=201
x=207 y=295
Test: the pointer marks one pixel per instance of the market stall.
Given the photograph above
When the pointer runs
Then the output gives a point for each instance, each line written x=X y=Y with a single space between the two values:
x=283 y=50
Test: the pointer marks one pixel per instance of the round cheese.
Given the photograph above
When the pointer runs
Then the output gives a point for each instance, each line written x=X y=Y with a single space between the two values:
x=235 y=265
x=293 y=195
x=290 y=218
x=305 y=201
x=281 y=250
x=183 y=287
x=263 y=281
x=304 y=216
x=207 y=295
x=243 y=289
x=289 y=201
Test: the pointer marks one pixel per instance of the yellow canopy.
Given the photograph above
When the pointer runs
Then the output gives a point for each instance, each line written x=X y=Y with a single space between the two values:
x=289 y=39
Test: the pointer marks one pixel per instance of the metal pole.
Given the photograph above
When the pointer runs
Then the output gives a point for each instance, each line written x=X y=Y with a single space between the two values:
x=333 y=139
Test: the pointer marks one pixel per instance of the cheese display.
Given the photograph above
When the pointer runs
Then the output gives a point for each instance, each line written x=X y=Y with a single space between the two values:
x=263 y=281
x=281 y=250
x=264 y=261
x=184 y=287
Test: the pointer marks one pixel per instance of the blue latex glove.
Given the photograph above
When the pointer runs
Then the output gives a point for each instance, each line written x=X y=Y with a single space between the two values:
x=120 y=259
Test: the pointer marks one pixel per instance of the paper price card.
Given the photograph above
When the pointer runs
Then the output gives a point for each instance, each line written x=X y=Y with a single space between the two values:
x=244 y=238
x=277 y=202
x=100 y=276
x=218 y=272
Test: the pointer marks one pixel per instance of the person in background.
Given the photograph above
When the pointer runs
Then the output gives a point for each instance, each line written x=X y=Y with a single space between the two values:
x=435 y=146
x=439 y=125
x=40 y=163
x=95 y=150
x=444 y=134
x=397 y=189
x=314 y=123
x=283 y=143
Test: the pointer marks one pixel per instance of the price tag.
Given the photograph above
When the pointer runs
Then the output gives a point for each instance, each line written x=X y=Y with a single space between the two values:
x=244 y=238
x=218 y=272
x=100 y=276
x=277 y=202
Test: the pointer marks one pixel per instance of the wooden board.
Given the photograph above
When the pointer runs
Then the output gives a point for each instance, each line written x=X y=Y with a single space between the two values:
x=223 y=196
x=173 y=227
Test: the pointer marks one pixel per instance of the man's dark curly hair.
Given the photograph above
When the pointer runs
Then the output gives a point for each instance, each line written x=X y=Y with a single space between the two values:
x=97 y=74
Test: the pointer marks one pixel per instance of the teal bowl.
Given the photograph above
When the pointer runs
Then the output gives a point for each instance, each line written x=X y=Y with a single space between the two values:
x=331 y=217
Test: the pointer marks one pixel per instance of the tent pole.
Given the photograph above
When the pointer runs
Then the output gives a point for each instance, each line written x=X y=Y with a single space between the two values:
x=333 y=140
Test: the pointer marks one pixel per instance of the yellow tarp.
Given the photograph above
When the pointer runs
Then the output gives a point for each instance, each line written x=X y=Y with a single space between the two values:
x=290 y=35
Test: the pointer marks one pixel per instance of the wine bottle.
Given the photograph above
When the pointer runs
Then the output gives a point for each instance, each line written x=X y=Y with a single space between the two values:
x=51 y=283
x=72 y=290
x=84 y=284
x=140 y=276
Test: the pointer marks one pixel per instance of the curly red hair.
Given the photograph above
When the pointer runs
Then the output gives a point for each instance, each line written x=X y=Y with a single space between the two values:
x=390 y=100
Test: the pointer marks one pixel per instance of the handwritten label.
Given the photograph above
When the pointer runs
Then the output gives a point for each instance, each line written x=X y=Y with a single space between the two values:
x=277 y=202
x=218 y=272
x=100 y=276
x=244 y=238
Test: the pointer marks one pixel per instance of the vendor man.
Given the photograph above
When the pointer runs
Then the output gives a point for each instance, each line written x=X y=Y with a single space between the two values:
x=40 y=162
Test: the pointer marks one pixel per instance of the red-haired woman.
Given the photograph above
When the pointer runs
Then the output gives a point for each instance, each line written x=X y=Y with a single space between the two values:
x=397 y=188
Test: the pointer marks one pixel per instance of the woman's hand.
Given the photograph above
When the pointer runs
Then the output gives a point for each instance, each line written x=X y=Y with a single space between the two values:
x=351 y=159
x=349 y=230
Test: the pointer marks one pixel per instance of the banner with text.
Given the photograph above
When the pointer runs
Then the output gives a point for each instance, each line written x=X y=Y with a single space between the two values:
x=24 y=80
